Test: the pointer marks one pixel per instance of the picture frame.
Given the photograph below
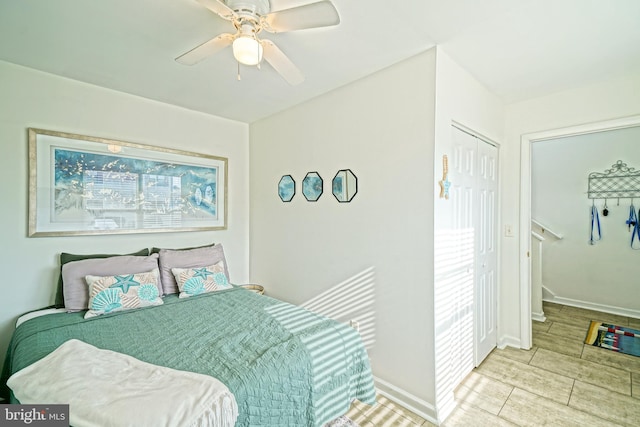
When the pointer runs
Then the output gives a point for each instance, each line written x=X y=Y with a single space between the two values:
x=84 y=185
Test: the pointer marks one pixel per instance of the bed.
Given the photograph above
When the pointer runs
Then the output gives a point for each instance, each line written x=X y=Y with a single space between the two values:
x=285 y=366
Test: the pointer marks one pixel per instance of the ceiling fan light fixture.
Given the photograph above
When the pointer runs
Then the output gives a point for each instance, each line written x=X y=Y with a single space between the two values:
x=250 y=18
x=247 y=50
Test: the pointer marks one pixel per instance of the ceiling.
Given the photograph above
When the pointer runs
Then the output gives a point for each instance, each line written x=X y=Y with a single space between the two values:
x=518 y=49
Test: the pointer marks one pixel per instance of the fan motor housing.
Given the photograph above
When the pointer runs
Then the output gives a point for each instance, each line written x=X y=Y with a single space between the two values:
x=250 y=7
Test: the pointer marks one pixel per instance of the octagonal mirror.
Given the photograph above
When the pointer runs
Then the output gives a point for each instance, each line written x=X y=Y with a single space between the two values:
x=286 y=188
x=344 y=185
x=312 y=186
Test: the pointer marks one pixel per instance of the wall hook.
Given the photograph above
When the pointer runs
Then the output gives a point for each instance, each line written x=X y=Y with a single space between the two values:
x=620 y=181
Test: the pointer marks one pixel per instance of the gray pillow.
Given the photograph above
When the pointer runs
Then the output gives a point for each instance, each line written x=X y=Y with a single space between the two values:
x=155 y=250
x=66 y=257
x=76 y=290
x=187 y=258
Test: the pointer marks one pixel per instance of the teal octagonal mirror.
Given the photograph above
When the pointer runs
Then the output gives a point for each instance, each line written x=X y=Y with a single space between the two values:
x=312 y=186
x=286 y=188
x=344 y=185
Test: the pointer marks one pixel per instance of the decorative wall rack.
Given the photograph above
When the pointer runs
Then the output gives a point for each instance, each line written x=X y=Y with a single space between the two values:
x=619 y=182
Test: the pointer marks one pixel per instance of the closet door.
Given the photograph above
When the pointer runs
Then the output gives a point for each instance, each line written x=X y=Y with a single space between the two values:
x=486 y=253
x=463 y=163
x=473 y=171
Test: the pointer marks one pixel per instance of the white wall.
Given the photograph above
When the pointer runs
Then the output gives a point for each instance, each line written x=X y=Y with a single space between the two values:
x=34 y=99
x=459 y=98
x=381 y=127
x=594 y=103
x=574 y=271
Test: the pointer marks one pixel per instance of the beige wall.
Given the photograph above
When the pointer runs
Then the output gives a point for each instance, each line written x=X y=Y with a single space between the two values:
x=461 y=99
x=382 y=128
x=34 y=99
x=386 y=128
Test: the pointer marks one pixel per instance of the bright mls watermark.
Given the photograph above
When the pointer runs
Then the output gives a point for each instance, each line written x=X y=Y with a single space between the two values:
x=34 y=415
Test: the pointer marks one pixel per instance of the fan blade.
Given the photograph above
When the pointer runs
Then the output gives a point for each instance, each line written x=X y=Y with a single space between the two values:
x=206 y=49
x=279 y=61
x=314 y=15
x=219 y=8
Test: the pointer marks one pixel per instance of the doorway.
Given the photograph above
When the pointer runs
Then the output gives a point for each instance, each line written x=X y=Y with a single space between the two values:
x=525 y=208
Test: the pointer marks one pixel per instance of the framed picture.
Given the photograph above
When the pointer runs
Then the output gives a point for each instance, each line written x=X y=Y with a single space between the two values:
x=85 y=185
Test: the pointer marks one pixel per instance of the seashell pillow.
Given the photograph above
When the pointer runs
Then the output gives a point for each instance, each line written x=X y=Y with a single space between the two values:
x=67 y=257
x=187 y=258
x=109 y=294
x=74 y=273
x=200 y=280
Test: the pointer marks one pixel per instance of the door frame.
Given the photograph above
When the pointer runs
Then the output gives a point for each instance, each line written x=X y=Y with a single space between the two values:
x=525 y=205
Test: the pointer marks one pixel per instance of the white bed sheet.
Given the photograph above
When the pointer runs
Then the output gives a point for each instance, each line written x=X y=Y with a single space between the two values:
x=38 y=313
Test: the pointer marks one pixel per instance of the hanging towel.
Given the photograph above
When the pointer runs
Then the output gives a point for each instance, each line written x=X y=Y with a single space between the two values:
x=635 y=232
x=595 y=222
x=633 y=219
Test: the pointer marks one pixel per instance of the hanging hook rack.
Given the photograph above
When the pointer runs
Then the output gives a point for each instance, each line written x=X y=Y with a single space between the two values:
x=621 y=182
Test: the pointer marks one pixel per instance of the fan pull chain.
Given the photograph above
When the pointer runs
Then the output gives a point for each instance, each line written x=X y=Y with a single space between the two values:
x=239 y=78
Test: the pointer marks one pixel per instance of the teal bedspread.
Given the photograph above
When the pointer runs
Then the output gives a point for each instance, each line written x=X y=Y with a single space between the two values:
x=285 y=365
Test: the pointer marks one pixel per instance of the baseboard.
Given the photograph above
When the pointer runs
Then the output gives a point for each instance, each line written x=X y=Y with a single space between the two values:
x=407 y=400
x=507 y=341
x=595 y=306
x=538 y=317
x=547 y=293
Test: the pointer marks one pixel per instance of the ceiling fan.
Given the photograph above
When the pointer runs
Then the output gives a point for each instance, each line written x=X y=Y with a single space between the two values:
x=250 y=17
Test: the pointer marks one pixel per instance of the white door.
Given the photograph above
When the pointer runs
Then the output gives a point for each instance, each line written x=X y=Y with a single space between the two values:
x=463 y=163
x=486 y=299
x=473 y=173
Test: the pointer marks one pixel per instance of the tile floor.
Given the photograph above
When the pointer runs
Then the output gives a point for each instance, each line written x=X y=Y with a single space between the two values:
x=559 y=382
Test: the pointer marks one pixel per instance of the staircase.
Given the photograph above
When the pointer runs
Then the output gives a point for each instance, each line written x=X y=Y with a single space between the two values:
x=539 y=234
